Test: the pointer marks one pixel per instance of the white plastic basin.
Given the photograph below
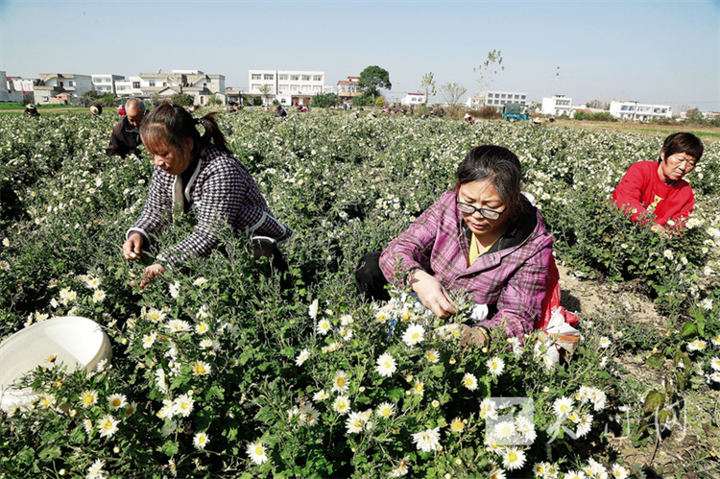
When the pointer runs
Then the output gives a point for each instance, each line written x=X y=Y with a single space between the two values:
x=78 y=342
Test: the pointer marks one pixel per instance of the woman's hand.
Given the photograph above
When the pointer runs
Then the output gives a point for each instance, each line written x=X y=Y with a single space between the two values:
x=150 y=272
x=431 y=293
x=132 y=249
x=475 y=336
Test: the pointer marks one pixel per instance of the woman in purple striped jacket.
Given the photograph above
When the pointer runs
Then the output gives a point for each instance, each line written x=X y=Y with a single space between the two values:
x=484 y=238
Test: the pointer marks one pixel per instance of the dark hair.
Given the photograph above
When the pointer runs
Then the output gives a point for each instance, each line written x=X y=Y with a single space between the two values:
x=683 y=143
x=502 y=168
x=171 y=123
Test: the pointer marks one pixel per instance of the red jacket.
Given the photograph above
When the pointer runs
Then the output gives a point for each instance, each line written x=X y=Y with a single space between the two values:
x=642 y=189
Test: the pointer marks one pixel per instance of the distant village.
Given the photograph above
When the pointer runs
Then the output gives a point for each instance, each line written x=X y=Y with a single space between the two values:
x=284 y=87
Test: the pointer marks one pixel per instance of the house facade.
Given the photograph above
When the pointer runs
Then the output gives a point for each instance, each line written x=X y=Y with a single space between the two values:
x=105 y=83
x=348 y=89
x=496 y=99
x=129 y=87
x=413 y=99
x=19 y=88
x=557 y=105
x=288 y=87
x=51 y=85
x=632 y=110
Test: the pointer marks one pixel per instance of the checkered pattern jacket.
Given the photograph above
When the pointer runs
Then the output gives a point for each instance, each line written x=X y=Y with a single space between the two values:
x=221 y=192
x=509 y=278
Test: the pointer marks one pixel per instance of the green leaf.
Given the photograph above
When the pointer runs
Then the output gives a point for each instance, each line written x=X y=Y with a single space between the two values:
x=26 y=455
x=50 y=453
x=654 y=401
x=170 y=448
x=689 y=329
x=656 y=360
x=663 y=416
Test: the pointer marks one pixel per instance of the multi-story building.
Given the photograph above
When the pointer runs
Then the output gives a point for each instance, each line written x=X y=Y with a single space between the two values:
x=289 y=87
x=496 y=99
x=104 y=84
x=348 y=89
x=129 y=87
x=52 y=85
x=200 y=85
x=4 y=91
x=557 y=105
x=632 y=110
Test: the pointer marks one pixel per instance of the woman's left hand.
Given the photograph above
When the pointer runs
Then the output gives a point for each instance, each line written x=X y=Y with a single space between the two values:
x=475 y=336
x=150 y=272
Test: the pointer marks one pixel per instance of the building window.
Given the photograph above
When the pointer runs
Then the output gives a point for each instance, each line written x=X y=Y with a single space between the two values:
x=317 y=88
x=70 y=83
x=256 y=86
x=503 y=95
x=283 y=87
x=152 y=83
x=523 y=97
x=295 y=77
x=294 y=87
x=136 y=84
x=283 y=100
x=268 y=76
x=282 y=77
x=306 y=78
x=517 y=97
x=317 y=77
x=255 y=76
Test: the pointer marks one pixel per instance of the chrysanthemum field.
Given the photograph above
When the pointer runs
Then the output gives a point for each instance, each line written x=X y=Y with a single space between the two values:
x=217 y=372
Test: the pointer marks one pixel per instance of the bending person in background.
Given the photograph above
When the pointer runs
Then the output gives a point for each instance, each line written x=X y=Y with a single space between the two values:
x=658 y=187
x=125 y=138
x=198 y=175
x=484 y=238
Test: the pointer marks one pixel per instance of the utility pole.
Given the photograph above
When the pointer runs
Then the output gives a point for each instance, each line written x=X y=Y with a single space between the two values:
x=557 y=77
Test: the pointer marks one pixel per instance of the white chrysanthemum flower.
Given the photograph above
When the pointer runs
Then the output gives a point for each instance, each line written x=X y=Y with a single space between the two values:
x=525 y=428
x=302 y=357
x=155 y=315
x=99 y=296
x=95 y=471
x=575 y=475
x=6 y=242
x=668 y=254
x=183 y=405
x=175 y=290
x=618 y=472
x=355 y=423
x=202 y=327
x=201 y=368
x=108 y=426
x=715 y=363
x=414 y=335
x=178 y=326
x=495 y=365
x=488 y=409
x=200 y=282
x=604 y=342
x=148 y=340
x=385 y=410
x=340 y=382
x=92 y=282
x=386 y=365
x=706 y=303
x=313 y=309
x=382 y=316
x=496 y=473
x=696 y=345
x=341 y=405
x=432 y=356
x=309 y=416
x=563 y=406
x=117 y=401
x=716 y=340
x=201 y=440
x=47 y=400
x=4 y=265
x=401 y=468
x=457 y=425
x=428 y=440
x=320 y=395
x=346 y=320
x=513 y=458
x=346 y=334
x=324 y=327
x=504 y=430
x=88 y=398
x=168 y=409
x=584 y=425
x=470 y=381
x=595 y=469
x=160 y=380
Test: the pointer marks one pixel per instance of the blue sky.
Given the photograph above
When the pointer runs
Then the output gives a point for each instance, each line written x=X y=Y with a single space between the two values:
x=649 y=51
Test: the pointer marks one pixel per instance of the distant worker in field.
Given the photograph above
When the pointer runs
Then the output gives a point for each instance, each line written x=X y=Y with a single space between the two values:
x=198 y=175
x=125 y=138
x=658 y=188
x=31 y=110
x=96 y=109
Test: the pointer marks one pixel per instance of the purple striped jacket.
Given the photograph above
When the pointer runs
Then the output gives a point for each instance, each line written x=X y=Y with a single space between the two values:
x=509 y=278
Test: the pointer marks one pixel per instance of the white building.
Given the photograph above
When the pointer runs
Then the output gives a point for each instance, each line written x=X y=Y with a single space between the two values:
x=105 y=83
x=129 y=87
x=289 y=87
x=632 y=110
x=348 y=89
x=496 y=99
x=413 y=99
x=61 y=88
x=4 y=92
x=557 y=105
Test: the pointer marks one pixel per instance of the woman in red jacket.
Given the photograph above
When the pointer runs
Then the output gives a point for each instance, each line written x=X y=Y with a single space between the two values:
x=658 y=187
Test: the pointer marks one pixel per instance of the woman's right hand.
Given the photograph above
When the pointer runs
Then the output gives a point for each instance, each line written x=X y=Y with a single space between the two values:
x=431 y=293
x=132 y=249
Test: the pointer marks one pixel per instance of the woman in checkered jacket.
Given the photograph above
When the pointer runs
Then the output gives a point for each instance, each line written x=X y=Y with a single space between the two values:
x=198 y=175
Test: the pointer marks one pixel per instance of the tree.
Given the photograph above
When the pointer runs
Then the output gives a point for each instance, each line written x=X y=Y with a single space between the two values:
x=373 y=78
x=324 y=100
x=488 y=69
x=266 y=92
x=427 y=84
x=452 y=92
x=214 y=101
x=183 y=99
x=380 y=101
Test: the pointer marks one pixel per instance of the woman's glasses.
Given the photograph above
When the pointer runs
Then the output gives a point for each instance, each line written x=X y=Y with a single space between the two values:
x=470 y=209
